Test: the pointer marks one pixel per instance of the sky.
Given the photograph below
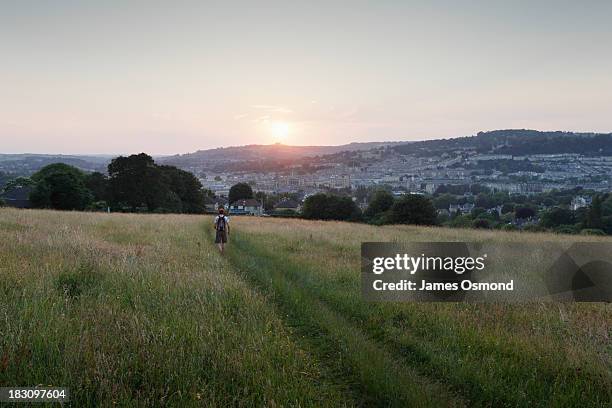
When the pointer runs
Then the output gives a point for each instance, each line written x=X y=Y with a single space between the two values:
x=165 y=77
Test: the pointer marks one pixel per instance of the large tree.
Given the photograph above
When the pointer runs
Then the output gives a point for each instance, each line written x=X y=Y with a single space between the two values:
x=361 y=193
x=381 y=201
x=443 y=201
x=413 y=209
x=330 y=207
x=136 y=182
x=594 y=215
x=4 y=178
x=186 y=187
x=240 y=191
x=16 y=183
x=606 y=205
x=558 y=216
x=61 y=187
x=97 y=183
x=524 y=212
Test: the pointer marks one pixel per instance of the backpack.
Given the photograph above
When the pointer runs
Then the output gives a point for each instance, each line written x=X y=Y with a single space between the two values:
x=221 y=223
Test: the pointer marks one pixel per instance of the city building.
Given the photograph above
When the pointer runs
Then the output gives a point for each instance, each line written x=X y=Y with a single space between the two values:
x=581 y=202
x=287 y=204
x=246 y=207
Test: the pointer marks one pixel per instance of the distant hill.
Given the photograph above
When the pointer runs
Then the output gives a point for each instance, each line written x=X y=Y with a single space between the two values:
x=277 y=156
x=98 y=159
x=516 y=142
x=26 y=164
x=274 y=152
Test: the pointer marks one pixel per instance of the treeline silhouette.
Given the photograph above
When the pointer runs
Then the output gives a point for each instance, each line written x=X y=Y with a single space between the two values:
x=134 y=184
x=517 y=142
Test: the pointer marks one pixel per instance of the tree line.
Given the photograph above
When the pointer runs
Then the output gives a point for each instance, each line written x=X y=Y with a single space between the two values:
x=551 y=211
x=133 y=184
x=137 y=184
x=382 y=209
x=491 y=210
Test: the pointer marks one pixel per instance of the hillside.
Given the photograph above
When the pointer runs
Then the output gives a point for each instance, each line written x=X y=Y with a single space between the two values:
x=274 y=152
x=273 y=157
x=27 y=164
x=142 y=310
x=516 y=142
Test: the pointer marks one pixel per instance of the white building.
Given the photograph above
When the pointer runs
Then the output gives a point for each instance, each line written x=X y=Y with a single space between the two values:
x=581 y=202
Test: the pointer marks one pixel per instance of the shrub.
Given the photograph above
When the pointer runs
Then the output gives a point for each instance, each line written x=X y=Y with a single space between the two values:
x=478 y=211
x=460 y=221
x=592 y=231
x=524 y=212
x=533 y=228
x=443 y=219
x=97 y=206
x=566 y=229
x=285 y=213
x=481 y=223
x=507 y=208
x=380 y=218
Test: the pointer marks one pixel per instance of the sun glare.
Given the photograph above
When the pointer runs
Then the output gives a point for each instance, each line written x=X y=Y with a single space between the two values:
x=280 y=130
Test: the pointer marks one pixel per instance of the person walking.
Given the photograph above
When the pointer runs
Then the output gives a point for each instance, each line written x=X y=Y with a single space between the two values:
x=221 y=229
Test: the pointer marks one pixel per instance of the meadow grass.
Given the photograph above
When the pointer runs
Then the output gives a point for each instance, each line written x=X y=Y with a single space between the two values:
x=537 y=354
x=141 y=310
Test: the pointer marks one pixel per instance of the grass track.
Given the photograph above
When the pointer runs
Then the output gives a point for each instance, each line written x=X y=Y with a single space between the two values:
x=484 y=367
x=141 y=311
x=375 y=373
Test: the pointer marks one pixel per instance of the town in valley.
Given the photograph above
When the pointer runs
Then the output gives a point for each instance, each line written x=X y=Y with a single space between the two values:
x=492 y=173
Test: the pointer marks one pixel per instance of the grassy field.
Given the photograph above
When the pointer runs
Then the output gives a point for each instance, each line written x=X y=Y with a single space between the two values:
x=140 y=310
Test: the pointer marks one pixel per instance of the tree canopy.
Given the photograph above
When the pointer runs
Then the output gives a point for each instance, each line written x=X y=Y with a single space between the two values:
x=413 y=209
x=557 y=217
x=240 y=191
x=323 y=206
x=381 y=201
x=136 y=183
x=524 y=212
x=97 y=183
x=61 y=187
x=594 y=215
x=187 y=188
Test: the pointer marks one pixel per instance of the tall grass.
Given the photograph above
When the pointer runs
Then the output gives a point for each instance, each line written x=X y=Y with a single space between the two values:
x=492 y=354
x=141 y=310
x=374 y=371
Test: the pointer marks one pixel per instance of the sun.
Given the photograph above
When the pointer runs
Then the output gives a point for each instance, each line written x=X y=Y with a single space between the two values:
x=279 y=130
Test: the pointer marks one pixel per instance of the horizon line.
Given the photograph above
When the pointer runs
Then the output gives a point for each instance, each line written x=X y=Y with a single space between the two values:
x=292 y=145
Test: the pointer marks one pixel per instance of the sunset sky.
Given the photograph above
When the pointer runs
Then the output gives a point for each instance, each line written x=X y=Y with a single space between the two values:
x=177 y=76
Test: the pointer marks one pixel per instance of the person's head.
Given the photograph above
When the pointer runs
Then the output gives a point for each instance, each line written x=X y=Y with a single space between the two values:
x=221 y=210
